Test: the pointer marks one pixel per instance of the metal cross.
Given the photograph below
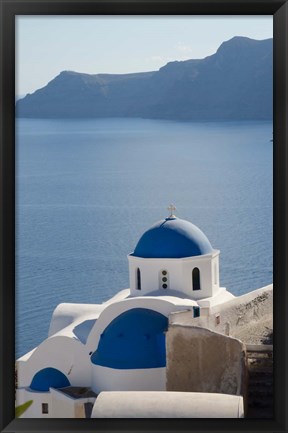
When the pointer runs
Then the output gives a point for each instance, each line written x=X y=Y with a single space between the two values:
x=171 y=208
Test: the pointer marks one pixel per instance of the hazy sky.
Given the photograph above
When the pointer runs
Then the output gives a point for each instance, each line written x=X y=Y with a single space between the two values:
x=47 y=45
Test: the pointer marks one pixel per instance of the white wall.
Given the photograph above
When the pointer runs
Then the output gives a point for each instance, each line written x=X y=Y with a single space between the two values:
x=150 y=269
x=232 y=316
x=167 y=405
x=110 y=379
x=60 y=352
x=60 y=405
x=65 y=314
x=206 y=265
x=179 y=274
x=35 y=410
x=65 y=406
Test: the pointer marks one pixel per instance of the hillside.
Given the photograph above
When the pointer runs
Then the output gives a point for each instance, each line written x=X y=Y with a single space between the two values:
x=235 y=83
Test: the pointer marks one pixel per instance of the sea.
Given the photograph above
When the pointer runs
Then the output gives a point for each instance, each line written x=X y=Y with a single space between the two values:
x=87 y=189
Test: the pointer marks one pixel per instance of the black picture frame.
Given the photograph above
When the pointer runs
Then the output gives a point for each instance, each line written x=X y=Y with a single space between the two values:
x=11 y=8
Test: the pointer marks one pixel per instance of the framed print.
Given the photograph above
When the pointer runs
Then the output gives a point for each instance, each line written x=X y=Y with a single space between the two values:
x=116 y=115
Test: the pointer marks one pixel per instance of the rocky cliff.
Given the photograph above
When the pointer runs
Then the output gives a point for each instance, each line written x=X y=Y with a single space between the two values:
x=235 y=83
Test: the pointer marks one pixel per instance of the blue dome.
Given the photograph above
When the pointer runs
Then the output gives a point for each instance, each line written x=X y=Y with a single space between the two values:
x=48 y=378
x=134 y=339
x=172 y=238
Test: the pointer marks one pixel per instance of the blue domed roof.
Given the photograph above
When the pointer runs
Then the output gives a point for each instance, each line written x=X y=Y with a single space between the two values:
x=172 y=238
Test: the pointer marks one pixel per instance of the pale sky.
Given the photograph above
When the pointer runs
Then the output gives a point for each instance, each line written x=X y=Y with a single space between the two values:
x=47 y=45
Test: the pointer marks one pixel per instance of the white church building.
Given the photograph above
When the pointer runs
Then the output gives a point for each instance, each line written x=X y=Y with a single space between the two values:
x=120 y=345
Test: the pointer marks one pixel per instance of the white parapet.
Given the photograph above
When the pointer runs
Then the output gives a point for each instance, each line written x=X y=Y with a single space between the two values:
x=157 y=404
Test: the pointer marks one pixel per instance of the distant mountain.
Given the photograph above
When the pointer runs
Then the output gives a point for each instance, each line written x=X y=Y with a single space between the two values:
x=235 y=83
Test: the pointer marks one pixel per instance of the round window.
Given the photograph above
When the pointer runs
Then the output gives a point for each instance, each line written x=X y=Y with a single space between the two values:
x=164 y=272
x=164 y=286
x=164 y=279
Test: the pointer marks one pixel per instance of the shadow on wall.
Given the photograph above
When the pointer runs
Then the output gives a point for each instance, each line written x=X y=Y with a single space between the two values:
x=83 y=329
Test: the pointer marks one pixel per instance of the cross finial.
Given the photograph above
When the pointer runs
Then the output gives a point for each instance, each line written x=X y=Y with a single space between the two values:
x=171 y=208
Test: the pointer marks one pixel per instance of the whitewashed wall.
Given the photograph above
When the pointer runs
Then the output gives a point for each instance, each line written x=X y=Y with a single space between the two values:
x=60 y=405
x=35 y=410
x=60 y=352
x=179 y=274
x=231 y=316
x=147 y=379
x=167 y=405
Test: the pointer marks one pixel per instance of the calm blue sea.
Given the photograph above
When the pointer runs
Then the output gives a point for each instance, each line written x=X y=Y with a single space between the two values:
x=88 y=189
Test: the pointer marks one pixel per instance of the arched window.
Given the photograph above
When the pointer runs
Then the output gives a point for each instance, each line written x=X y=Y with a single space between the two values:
x=138 y=279
x=196 y=279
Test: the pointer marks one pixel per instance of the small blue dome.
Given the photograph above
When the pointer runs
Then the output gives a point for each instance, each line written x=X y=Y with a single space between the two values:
x=48 y=378
x=172 y=238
